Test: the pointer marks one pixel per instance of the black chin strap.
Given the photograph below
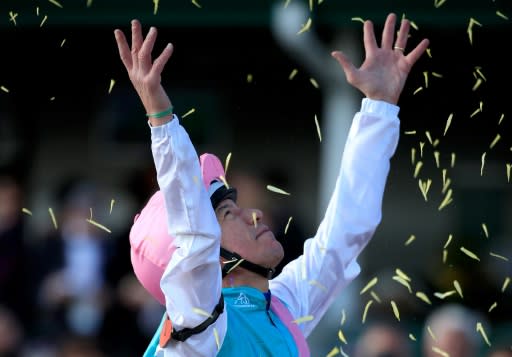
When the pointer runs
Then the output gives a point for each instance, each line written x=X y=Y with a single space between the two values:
x=234 y=260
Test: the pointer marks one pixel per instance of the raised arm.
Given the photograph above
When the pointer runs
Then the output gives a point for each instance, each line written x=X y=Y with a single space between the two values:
x=192 y=280
x=310 y=283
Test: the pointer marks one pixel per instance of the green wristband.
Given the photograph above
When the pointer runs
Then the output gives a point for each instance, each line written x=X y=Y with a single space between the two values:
x=161 y=114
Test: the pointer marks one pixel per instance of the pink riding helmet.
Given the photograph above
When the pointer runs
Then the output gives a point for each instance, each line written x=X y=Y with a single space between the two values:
x=151 y=245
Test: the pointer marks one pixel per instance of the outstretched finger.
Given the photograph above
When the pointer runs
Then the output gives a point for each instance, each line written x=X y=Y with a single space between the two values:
x=124 y=49
x=160 y=61
x=145 y=50
x=416 y=53
x=388 y=33
x=403 y=33
x=370 y=43
x=136 y=40
x=345 y=64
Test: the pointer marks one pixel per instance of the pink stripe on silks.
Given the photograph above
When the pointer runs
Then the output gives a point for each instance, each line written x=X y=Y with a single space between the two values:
x=284 y=315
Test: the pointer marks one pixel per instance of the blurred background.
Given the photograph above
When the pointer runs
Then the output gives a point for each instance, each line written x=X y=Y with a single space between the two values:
x=248 y=78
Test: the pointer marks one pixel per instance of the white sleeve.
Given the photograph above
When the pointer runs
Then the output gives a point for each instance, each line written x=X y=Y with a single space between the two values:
x=309 y=283
x=192 y=279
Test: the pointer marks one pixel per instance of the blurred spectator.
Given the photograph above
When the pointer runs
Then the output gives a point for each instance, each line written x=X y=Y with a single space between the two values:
x=70 y=265
x=453 y=330
x=11 y=334
x=501 y=352
x=383 y=339
x=78 y=346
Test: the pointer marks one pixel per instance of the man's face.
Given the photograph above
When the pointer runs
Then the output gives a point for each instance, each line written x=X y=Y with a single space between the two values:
x=245 y=234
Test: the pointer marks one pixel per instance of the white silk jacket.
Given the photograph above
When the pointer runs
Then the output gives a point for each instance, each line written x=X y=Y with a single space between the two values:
x=192 y=279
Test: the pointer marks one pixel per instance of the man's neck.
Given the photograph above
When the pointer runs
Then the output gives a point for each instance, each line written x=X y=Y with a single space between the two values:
x=240 y=277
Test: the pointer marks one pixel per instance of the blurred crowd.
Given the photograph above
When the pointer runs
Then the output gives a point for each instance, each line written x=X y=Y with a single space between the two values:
x=70 y=291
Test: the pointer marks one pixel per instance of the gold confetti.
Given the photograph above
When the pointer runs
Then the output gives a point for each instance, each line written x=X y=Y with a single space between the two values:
x=437 y=75
x=43 y=21
x=155 y=6
x=505 y=284
x=288 y=224
x=343 y=317
x=425 y=77
x=196 y=4
x=368 y=304
x=472 y=22
x=486 y=232
x=410 y=132
x=411 y=336
x=226 y=163
x=452 y=164
x=480 y=328
x=395 y=310
x=54 y=220
x=224 y=181
x=403 y=282
x=479 y=72
x=446 y=201
x=201 y=312
x=458 y=288
x=436 y=157
x=4 y=89
x=318 y=129
x=52 y=99
x=306 y=27
x=438 y=3
x=56 y=3
x=475 y=112
x=431 y=333
x=483 y=163
x=360 y=19
x=424 y=187
x=401 y=274
x=429 y=52
x=13 y=16
x=477 y=84
x=375 y=296
x=112 y=82
x=317 y=283
x=112 y=205
x=293 y=74
x=63 y=42
x=493 y=306
x=277 y=190
x=240 y=261
x=498 y=256
x=419 y=89
x=333 y=352
x=444 y=172
x=287 y=2
x=217 y=340
x=343 y=352
x=342 y=337
x=440 y=351
x=191 y=111
x=410 y=239
x=249 y=78
x=421 y=295
x=502 y=15
x=469 y=253
x=94 y=223
x=443 y=296
x=501 y=118
x=448 y=241
x=417 y=169
x=368 y=286
x=27 y=211
x=303 y=319
x=446 y=185
x=314 y=83
x=509 y=167
x=445 y=256
x=254 y=219
x=89 y=3
x=435 y=143
x=422 y=145
x=448 y=123
x=495 y=141
x=427 y=134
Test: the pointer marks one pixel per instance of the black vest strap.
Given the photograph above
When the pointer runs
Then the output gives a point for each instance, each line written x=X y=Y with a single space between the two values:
x=235 y=260
x=185 y=333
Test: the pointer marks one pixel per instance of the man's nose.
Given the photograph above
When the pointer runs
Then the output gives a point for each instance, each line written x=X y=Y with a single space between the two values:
x=252 y=215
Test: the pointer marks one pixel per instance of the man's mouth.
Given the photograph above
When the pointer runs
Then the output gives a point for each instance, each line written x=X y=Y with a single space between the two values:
x=262 y=231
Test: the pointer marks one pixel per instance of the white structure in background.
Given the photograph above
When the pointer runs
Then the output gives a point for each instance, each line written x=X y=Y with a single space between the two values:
x=340 y=102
